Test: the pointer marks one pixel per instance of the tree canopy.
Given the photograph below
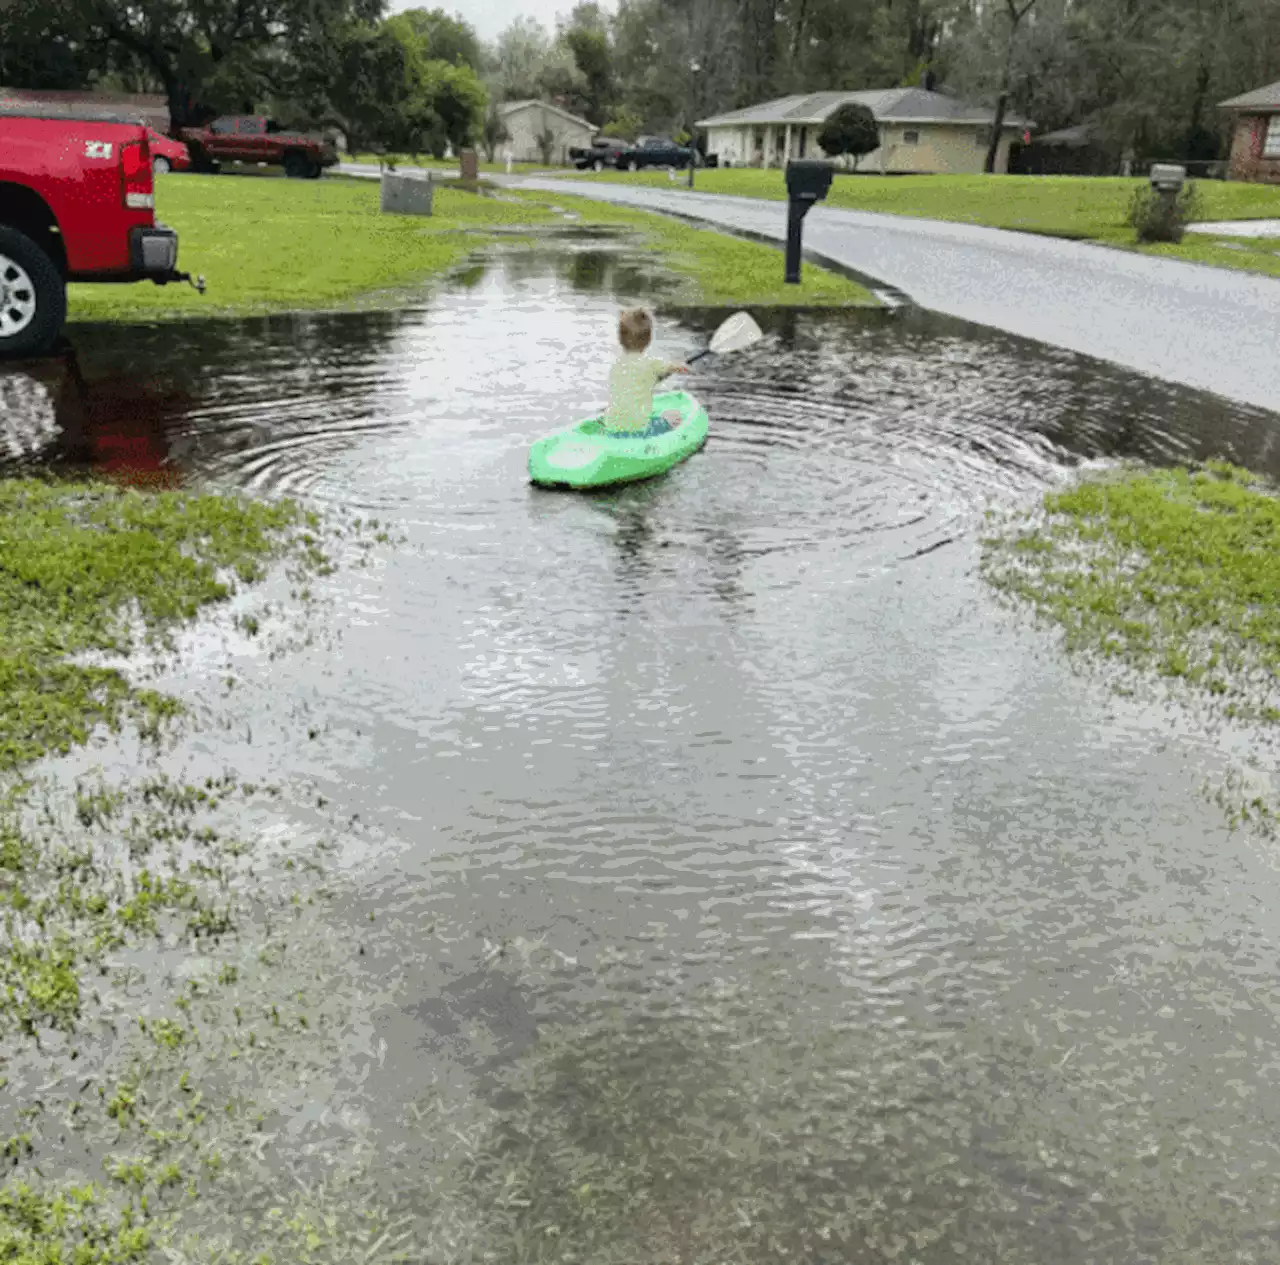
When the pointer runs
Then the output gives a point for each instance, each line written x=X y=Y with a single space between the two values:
x=851 y=130
x=1145 y=74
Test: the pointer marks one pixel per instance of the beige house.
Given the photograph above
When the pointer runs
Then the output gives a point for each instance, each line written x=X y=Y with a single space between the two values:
x=919 y=131
x=1255 y=135
x=526 y=121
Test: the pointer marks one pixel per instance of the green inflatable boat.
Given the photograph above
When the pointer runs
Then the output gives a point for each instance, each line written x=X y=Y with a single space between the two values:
x=588 y=456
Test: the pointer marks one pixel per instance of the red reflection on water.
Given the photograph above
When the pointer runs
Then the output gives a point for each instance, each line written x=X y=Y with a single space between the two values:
x=127 y=425
x=116 y=425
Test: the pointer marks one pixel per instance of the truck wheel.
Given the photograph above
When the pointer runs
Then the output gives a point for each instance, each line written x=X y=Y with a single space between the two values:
x=160 y=166
x=315 y=171
x=296 y=165
x=633 y=165
x=33 y=296
x=597 y=165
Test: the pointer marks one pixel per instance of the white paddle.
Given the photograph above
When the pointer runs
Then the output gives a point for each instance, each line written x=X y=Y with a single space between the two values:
x=736 y=334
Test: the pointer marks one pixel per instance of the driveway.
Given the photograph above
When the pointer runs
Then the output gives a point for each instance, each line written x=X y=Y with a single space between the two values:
x=1200 y=326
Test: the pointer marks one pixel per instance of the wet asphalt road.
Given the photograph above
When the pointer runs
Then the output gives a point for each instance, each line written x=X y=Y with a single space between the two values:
x=1185 y=323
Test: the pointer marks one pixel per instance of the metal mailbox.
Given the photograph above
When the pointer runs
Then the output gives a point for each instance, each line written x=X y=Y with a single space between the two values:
x=1167 y=177
x=808 y=180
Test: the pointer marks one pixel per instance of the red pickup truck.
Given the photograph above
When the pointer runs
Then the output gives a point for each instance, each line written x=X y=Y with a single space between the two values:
x=77 y=203
x=254 y=139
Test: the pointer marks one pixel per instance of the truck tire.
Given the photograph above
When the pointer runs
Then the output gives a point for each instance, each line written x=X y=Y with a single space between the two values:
x=161 y=166
x=632 y=165
x=33 y=296
x=597 y=165
x=296 y=165
x=315 y=171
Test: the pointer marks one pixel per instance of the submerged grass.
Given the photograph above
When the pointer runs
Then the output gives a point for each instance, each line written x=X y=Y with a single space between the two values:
x=94 y=568
x=1175 y=571
x=92 y=886
x=109 y=892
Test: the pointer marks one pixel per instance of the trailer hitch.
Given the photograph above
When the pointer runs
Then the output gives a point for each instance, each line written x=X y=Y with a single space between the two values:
x=196 y=283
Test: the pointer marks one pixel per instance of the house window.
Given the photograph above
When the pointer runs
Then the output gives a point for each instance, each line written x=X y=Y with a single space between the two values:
x=911 y=137
x=983 y=137
x=1271 y=145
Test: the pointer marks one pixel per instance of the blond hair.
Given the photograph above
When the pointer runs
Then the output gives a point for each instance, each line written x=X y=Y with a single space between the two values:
x=635 y=329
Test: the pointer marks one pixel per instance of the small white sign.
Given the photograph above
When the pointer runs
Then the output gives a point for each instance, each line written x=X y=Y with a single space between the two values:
x=97 y=149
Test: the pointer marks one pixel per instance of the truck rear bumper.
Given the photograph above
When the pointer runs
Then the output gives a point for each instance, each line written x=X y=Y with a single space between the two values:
x=153 y=256
x=153 y=253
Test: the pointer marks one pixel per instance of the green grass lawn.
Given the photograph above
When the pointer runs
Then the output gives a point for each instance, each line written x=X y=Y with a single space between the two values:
x=1173 y=570
x=288 y=245
x=1251 y=254
x=280 y=245
x=1086 y=208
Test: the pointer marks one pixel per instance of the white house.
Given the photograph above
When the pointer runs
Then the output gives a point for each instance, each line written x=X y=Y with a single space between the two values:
x=919 y=131
x=526 y=121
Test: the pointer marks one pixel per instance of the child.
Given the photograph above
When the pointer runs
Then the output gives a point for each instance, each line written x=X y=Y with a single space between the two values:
x=633 y=377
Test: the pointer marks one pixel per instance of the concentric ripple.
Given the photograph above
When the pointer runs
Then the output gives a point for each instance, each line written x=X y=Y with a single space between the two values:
x=734 y=881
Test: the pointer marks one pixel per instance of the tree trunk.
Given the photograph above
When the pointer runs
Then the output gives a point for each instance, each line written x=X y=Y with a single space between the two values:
x=997 y=127
x=182 y=107
x=1016 y=15
x=797 y=37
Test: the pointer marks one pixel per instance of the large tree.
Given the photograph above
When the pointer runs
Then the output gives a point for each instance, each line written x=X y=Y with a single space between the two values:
x=443 y=37
x=211 y=55
x=519 y=59
x=593 y=58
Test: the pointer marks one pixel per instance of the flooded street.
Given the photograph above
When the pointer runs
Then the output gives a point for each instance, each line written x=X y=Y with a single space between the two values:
x=725 y=876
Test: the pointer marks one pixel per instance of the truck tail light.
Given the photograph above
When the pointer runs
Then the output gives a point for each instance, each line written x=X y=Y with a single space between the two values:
x=135 y=167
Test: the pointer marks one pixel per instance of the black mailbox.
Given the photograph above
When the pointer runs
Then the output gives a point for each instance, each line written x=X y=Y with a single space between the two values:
x=808 y=180
x=807 y=183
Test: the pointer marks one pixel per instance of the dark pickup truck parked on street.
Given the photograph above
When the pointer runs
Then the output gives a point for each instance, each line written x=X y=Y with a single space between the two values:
x=601 y=153
x=77 y=203
x=255 y=139
x=653 y=151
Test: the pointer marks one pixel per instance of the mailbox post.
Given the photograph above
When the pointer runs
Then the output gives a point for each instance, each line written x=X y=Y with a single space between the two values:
x=807 y=183
x=1167 y=180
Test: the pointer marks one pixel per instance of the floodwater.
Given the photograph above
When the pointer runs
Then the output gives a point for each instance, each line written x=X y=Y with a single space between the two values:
x=729 y=878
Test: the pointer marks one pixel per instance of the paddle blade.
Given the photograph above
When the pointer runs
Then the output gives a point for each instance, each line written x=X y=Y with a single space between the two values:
x=737 y=333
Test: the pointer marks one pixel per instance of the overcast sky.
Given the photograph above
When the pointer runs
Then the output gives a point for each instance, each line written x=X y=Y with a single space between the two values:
x=491 y=17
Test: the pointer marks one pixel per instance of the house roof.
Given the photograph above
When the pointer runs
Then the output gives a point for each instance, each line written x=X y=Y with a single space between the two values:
x=889 y=105
x=1262 y=99
x=510 y=107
